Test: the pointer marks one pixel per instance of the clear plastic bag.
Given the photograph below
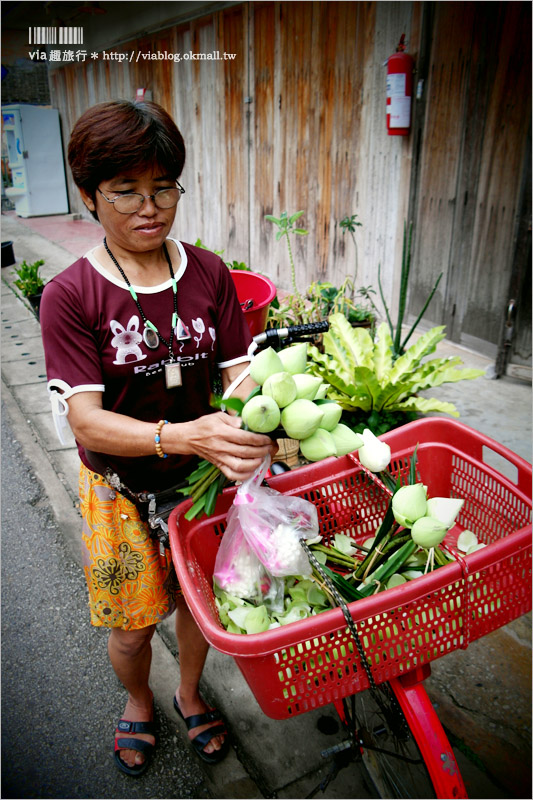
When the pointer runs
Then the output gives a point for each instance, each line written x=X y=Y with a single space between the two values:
x=237 y=569
x=267 y=525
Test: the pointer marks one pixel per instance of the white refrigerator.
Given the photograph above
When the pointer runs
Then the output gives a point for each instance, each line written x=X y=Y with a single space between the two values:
x=35 y=158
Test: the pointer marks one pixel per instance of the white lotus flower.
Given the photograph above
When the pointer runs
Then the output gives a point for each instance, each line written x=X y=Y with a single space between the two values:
x=375 y=455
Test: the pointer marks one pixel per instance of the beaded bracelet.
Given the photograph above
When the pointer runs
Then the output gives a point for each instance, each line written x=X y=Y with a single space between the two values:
x=157 y=438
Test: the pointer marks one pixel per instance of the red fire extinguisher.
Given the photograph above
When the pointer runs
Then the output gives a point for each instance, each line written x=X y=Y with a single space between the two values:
x=400 y=68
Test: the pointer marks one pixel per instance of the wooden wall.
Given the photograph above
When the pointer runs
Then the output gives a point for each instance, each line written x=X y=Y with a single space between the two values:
x=297 y=122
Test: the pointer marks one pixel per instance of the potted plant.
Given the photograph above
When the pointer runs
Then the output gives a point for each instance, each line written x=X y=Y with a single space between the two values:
x=329 y=299
x=30 y=283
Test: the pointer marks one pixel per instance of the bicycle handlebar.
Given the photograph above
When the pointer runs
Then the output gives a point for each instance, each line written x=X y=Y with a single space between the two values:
x=292 y=333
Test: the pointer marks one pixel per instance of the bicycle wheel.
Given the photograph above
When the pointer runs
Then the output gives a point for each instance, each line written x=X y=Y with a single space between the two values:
x=391 y=757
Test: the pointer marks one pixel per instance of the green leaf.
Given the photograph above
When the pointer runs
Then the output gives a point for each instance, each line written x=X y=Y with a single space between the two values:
x=391 y=565
x=195 y=509
x=301 y=231
x=425 y=406
x=355 y=342
x=294 y=217
x=234 y=403
x=425 y=345
x=383 y=352
x=257 y=620
x=270 y=218
x=211 y=498
x=421 y=314
x=257 y=390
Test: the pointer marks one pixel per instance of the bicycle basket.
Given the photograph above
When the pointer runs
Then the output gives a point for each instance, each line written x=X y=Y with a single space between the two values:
x=314 y=662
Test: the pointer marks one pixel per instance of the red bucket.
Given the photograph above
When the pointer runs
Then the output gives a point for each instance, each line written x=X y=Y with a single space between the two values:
x=255 y=293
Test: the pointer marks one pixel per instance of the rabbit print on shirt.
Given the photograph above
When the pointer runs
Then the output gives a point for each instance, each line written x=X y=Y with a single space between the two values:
x=127 y=341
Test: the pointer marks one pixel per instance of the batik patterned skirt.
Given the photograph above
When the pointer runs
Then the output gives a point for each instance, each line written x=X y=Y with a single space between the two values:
x=131 y=585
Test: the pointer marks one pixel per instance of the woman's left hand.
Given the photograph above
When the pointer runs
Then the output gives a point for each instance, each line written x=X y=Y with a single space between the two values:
x=220 y=439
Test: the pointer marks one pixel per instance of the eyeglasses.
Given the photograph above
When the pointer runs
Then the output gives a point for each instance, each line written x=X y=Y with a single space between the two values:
x=132 y=202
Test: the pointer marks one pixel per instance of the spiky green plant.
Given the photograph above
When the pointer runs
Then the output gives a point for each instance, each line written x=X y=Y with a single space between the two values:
x=363 y=374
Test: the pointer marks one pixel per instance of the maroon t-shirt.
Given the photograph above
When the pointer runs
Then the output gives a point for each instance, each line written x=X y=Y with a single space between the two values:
x=92 y=334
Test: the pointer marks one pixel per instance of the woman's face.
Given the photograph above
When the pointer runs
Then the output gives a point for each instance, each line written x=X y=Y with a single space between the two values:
x=148 y=227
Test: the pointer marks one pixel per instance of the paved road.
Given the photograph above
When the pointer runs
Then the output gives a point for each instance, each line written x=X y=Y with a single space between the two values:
x=60 y=697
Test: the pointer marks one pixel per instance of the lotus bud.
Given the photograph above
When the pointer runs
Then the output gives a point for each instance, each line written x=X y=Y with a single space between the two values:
x=281 y=387
x=301 y=419
x=444 y=509
x=332 y=415
x=374 y=454
x=466 y=540
x=264 y=364
x=345 y=439
x=294 y=358
x=318 y=446
x=409 y=503
x=261 y=414
x=428 y=532
x=306 y=386
x=322 y=391
x=396 y=580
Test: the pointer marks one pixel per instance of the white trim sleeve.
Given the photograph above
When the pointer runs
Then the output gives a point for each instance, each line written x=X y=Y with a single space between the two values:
x=59 y=391
x=233 y=361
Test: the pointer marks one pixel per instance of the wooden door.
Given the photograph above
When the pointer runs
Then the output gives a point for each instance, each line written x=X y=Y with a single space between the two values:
x=470 y=154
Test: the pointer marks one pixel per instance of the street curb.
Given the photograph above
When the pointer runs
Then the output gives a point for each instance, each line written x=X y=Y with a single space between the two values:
x=165 y=673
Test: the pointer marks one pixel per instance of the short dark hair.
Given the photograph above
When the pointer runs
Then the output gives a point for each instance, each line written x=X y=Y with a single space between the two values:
x=111 y=138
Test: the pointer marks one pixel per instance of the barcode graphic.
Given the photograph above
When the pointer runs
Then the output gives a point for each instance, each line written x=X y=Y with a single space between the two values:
x=42 y=35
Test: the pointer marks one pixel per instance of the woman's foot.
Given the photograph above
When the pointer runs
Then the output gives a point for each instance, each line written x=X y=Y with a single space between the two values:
x=212 y=748
x=134 y=713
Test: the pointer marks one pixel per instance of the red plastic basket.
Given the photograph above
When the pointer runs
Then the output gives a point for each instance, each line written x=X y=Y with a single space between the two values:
x=310 y=663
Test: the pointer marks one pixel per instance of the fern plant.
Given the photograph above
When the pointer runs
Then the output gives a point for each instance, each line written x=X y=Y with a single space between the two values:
x=365 y=377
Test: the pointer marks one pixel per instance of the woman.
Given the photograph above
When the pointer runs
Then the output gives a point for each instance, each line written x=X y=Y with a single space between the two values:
x=134 y=333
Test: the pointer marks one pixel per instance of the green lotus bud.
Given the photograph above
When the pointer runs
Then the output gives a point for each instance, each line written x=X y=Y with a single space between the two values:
x=294 y=358
x=261 y=414
x=281 y=387
x=306 y=385
x=318 y=446
x=264 y=364
x=428 y=532
x=301 y=419
x=409 y=503
x=466 y=540
x=444 y=509
x=375 y=455
x=345 y=439
x=332 y=415
x=396 y=580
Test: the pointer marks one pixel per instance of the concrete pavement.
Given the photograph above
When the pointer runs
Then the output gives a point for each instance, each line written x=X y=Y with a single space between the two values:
x=483 y=694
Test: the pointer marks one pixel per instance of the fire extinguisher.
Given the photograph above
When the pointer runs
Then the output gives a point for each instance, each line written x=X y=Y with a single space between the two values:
x=400 y=67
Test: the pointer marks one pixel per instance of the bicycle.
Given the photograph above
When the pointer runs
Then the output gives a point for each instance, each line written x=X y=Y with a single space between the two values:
x=370 y=658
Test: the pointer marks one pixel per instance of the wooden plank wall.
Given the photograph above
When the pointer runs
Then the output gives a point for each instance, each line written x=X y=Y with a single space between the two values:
x=295 y=122
x=474 y=143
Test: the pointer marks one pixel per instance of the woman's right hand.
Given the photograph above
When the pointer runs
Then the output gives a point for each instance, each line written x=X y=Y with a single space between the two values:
x=220 y=439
